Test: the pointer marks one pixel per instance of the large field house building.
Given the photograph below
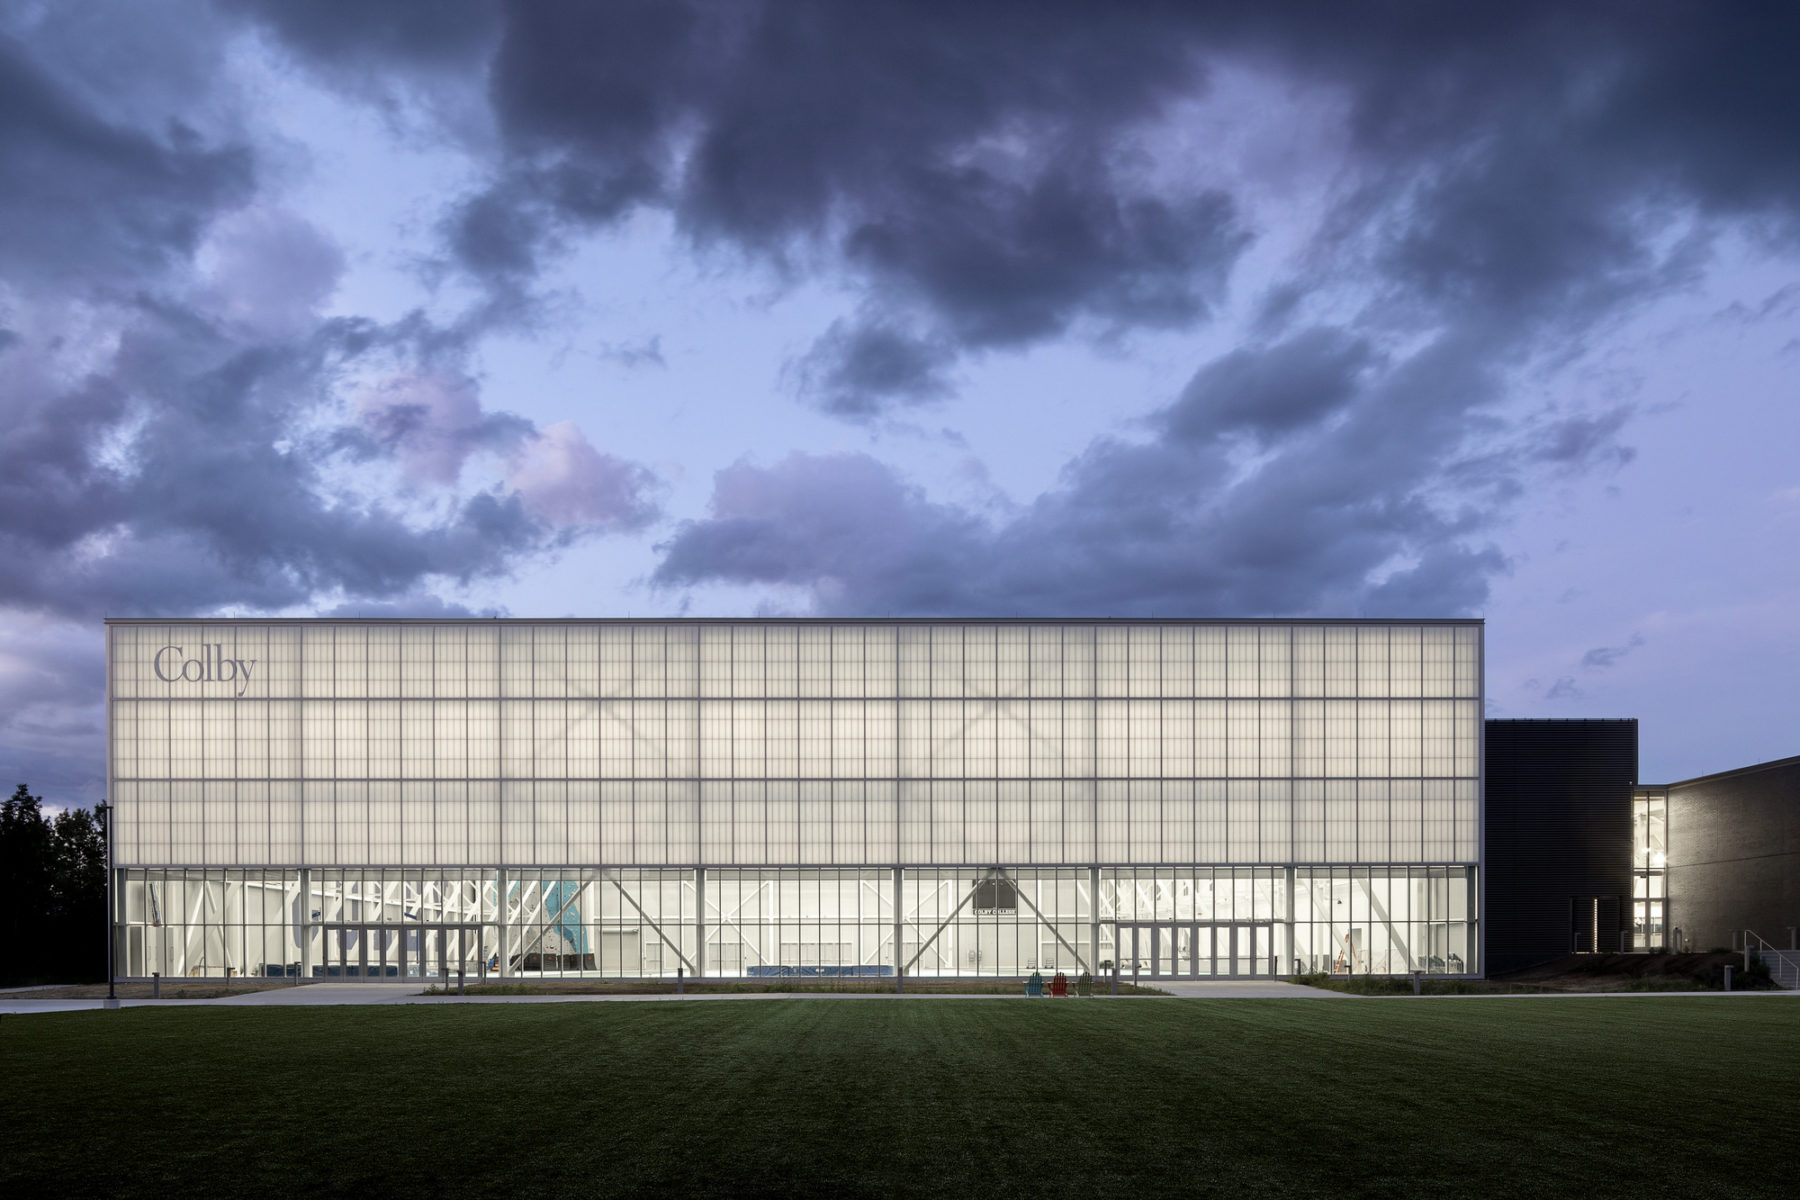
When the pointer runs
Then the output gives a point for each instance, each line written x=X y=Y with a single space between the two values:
x=726 y=799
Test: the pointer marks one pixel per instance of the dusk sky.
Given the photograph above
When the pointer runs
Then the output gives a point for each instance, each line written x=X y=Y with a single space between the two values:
x=715 y=309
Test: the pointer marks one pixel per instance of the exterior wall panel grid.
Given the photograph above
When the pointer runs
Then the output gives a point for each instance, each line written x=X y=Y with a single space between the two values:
x=663 y=743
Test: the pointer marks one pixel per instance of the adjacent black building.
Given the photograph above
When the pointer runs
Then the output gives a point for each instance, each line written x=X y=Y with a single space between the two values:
x=1558 y=833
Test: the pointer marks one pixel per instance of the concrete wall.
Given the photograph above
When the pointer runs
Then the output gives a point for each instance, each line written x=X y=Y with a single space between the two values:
x=1734 y=854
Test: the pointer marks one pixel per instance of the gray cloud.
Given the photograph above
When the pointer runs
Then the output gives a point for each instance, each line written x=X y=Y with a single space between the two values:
x=644 y=352
x=860 y=370
x=269 y=272
x=979 y=165
x=1602 y=657
x=87 y=199
x=218 y=496
x=1389 y=509
x=181 y=454
x=560 y=477
x=1364 y=518
x=500 y=235
x=1585 y=441
x=843 y=527
x=1517 y=174
x=974 y=165
x=1271 y=390
x=419 y=605
x=443 y=35
x=174 y=394
x=1779 y=304
x=1563 y=689
x=1002 y=262
x=1514 y=178
x=431 y=423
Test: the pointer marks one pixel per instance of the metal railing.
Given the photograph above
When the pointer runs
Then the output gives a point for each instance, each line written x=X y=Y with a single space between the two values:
x=1784 y=965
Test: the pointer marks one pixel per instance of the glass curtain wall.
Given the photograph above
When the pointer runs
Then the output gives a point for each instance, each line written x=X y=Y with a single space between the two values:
x=1366 y=921
x=1649 y=871
x=996 y=922
x=635 y=924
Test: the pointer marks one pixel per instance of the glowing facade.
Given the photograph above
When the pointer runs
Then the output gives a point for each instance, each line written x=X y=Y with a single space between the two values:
x=397 y=799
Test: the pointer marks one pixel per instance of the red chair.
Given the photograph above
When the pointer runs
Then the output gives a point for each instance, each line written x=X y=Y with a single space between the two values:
x=1059 y=986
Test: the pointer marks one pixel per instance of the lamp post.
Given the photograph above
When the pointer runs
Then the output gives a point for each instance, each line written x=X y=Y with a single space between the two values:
x=103 y=810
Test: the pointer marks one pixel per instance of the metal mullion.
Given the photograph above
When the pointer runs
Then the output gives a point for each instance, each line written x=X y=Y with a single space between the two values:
x=1479 y=917
x=731 y=782
x=299 y=758
x=899 y=845
x=762 y=646
x=467 y=801
x=1292 y=772
x=1388 y=854
x=567 y=772
x=1093 y=739
x=500 y=770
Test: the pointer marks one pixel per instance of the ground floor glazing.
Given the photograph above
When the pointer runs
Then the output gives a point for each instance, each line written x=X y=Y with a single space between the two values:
x=436 y=924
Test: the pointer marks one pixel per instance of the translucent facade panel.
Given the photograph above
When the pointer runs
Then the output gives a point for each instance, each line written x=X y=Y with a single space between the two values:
x=793 y=743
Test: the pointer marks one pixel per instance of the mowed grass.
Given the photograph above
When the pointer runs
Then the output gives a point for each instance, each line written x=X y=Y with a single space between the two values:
x=1141 y=1097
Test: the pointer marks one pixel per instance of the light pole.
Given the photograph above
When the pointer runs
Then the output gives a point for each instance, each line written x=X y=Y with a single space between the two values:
x=103 y=810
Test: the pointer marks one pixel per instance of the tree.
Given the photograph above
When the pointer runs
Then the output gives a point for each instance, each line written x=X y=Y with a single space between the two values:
x=52 y=893
x=78 y=895
x=24 y=884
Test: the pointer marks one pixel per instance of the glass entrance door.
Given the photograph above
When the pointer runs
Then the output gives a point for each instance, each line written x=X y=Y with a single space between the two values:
x=1178 y=950
x=1239 y=950
x=436 y=952
x=412 y=952
x=408 y=953
x=1171 y=951
x=354 y=942
x=1134 y=946
x=1236 y=951
x=384 y=955
x=1161 y=951
x=367 y=951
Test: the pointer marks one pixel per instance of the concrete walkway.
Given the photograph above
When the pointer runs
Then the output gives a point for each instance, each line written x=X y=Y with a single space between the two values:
x=379 y=993
x=1245 y=989
x=19 y=1003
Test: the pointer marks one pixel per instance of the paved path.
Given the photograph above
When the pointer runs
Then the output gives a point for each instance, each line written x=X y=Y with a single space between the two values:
x=1245 y=989
x=377 y=993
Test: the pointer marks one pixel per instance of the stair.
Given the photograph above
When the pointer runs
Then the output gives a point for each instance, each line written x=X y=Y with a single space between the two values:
x=1784 y=965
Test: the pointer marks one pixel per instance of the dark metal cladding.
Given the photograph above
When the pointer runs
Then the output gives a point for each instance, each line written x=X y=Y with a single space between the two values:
x=1558 y=848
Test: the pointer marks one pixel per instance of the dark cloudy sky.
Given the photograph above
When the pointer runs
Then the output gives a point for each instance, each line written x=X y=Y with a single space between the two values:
x=912 y=308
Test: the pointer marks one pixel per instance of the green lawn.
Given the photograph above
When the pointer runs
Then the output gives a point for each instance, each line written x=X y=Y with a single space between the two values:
x=1505 y=1097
